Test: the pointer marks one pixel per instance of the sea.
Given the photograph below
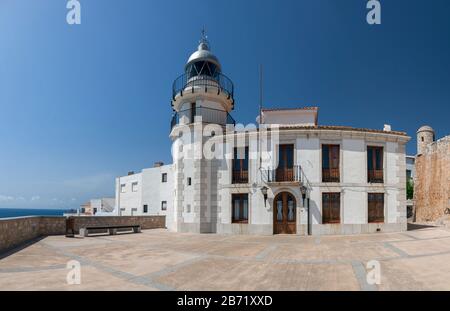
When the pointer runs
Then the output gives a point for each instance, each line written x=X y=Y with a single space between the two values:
x=20 y=212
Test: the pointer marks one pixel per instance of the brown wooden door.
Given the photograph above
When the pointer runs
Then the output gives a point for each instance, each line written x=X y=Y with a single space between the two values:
x=284 y=214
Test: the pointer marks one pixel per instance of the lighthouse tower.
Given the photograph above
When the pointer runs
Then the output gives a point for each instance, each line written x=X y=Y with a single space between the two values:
x=202 y=97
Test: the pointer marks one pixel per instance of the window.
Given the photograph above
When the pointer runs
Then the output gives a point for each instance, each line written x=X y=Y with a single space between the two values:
x=164 y=205
x=164 y=177
x=376 y=207
x=189 y=181
x=145 y=209
x=95 y=210
x=375 y=164
x=193 y=112
x=240 y=166
x=285 y=171
x=239 y=208
x=134 y=187
x=330 y=163
x=331 y=208
x=122 y=188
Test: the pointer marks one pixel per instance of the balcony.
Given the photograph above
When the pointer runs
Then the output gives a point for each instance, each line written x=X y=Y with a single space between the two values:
x=240 y=177
x=187 y=83
x=375 y=176
x=330 y=175
x=208 y=115
x=284 y=174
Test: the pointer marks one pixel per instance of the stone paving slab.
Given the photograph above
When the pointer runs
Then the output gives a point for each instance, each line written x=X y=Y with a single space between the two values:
x=161 y=260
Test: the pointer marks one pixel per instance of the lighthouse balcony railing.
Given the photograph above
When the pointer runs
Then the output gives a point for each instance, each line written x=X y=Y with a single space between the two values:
x=188 y=83
x=202 y=114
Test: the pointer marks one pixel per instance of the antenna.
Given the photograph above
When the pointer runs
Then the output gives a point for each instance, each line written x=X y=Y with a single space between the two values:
x=260 y=113
x=260 y=92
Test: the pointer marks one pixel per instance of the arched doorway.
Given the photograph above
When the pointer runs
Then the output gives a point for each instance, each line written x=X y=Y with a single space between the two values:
x=284 y=214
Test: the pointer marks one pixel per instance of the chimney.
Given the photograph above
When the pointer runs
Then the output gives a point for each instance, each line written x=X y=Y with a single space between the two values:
x=158 y=164
x=387 y=128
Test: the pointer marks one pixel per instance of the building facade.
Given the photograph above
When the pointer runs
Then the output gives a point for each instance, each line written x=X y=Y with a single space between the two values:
x=149 y=192
x=287 y=174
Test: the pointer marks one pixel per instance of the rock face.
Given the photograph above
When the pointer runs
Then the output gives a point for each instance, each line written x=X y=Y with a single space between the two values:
x=432 y=184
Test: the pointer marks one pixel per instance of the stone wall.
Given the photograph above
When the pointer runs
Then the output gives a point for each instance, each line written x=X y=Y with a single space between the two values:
x=16 y=231
x=432 y=182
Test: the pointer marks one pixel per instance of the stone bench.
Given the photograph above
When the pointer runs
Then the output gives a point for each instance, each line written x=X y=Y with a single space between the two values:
x=112 y=230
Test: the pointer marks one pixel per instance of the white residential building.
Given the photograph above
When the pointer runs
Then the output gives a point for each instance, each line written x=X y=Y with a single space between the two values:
x=286 y=175
x=149 y=192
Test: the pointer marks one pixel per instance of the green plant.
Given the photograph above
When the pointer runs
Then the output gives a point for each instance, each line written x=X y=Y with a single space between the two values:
x=409 y=189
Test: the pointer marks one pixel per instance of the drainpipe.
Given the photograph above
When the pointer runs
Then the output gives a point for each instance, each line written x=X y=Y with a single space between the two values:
x=309 y=218
x=118 y=201
x=305 y=198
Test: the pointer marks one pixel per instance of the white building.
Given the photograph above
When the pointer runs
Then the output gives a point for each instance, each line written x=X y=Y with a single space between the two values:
x=149 y=192
x=287 y=175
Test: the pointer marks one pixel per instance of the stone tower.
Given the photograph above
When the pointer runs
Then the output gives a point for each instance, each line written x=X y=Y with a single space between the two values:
x=425 y=136
x=202 y=98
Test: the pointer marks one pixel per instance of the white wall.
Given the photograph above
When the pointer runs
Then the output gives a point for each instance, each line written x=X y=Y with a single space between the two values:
x=155 y=191
x=298 y=117
x=151 y=191
x=129 y=202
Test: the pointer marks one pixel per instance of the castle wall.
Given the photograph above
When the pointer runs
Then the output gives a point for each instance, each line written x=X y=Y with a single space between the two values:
x=432 y=182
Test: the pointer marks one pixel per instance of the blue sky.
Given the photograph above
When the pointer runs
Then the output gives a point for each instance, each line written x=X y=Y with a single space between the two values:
x=82 y=104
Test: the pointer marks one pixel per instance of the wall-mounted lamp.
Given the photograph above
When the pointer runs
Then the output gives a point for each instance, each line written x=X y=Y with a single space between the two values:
x=264 y=192
x=303 y=189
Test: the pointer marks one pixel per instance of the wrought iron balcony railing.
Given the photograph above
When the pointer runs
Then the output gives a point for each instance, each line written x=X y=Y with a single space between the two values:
x=330 y=175
x=293 y=174
x=187 y=83
x=240 y=177
x=207 y=115
x=375 y=176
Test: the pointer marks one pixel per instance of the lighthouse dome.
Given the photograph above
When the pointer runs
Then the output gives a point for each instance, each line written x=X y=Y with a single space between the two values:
x=203 y=61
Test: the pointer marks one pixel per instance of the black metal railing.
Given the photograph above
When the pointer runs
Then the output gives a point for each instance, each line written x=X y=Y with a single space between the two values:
x=240 y=177
x=219 y=82
x=375 y=176
x=203 y=114
x=293 y=174
x=330 y=175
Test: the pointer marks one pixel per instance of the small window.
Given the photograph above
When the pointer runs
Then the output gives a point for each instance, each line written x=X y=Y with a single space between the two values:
x=239 y=208
x=164 y=177
x=331 y=208
x=330 y=163
x=240 y=165
x=145 y=209
x=375 y=164
x=134 y=187
x=122 y=188
x=164 y=205
x=189 y=181
x=376 y=207
x=422 y=138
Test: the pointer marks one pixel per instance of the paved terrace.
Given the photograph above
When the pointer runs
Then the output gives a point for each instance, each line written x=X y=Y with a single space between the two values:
x=160 y=260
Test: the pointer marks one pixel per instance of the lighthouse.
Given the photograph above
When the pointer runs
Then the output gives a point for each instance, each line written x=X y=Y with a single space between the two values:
x=202 y=90
x=202 y=98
